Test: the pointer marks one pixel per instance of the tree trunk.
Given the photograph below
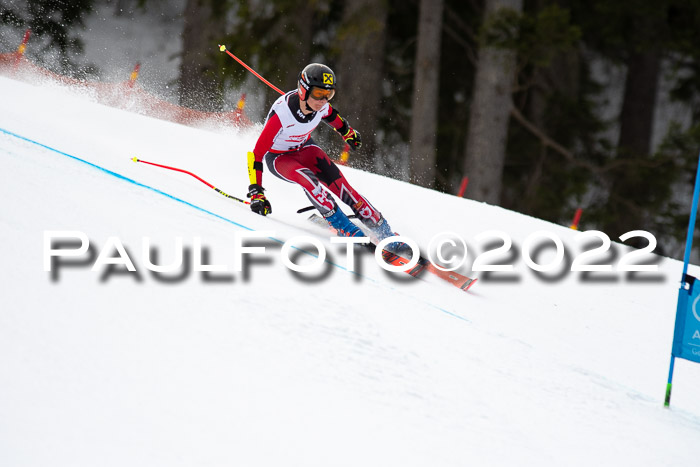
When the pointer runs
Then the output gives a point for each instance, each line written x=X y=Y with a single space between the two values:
x=637 y=116
x=360 y=71
x=636 y=122
x=487 y=133
x=200 y=75
x=560 y=78
x=425 y=94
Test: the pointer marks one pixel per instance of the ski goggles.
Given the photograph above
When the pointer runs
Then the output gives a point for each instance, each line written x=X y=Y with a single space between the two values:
x=320 y=93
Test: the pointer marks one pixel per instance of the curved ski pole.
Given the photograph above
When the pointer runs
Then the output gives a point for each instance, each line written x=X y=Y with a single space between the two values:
x=136 y=159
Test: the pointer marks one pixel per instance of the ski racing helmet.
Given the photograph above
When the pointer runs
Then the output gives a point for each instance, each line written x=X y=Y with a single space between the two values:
x=318 y=81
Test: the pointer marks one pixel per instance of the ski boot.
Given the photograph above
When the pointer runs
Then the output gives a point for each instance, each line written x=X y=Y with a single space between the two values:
x=383 y=230
x=344 y=226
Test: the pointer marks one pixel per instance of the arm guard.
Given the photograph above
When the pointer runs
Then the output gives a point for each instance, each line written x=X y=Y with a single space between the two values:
x=255 y=169
x=338 y=123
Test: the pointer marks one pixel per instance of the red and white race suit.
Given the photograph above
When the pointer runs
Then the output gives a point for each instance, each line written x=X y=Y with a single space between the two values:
x=286 y=146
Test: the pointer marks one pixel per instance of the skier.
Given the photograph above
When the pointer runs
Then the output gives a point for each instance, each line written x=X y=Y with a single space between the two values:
x=292 y=155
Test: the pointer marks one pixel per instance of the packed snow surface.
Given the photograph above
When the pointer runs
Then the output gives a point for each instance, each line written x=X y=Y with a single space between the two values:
x=267 y=367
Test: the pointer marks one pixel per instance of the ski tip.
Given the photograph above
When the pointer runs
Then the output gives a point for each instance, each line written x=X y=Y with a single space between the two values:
x=468 y=284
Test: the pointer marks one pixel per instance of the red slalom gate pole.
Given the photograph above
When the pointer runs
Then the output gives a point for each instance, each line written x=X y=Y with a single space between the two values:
x=463 y=186
x=136 y=159
x=577 y=219
x=22 y=48
x=134 y=74
x=224 y=49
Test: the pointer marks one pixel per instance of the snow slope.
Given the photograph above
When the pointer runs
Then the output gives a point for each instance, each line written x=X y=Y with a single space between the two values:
x=266 y=367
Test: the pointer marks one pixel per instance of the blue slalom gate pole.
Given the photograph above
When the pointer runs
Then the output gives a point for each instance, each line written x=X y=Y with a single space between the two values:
x=667 y=400
x=686 y=260
x=691 y=225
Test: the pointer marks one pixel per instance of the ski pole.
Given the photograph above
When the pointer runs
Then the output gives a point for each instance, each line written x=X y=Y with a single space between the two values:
x=224 y=49
x=136 y=159
x=343 y=157
x=311 y=208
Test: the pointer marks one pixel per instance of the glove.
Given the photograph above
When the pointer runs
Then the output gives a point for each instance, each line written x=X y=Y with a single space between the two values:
x=258 y=203
x=352 y=138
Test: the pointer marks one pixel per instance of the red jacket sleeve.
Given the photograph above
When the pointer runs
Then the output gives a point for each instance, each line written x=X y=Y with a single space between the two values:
x=263 y=145
x=336 y=121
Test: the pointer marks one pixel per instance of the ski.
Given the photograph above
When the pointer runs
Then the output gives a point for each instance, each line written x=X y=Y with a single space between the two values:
x=396 y=260
x=458 y=280
x=454 y=278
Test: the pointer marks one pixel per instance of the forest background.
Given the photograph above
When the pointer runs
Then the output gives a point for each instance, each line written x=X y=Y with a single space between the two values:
x=546 y=106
